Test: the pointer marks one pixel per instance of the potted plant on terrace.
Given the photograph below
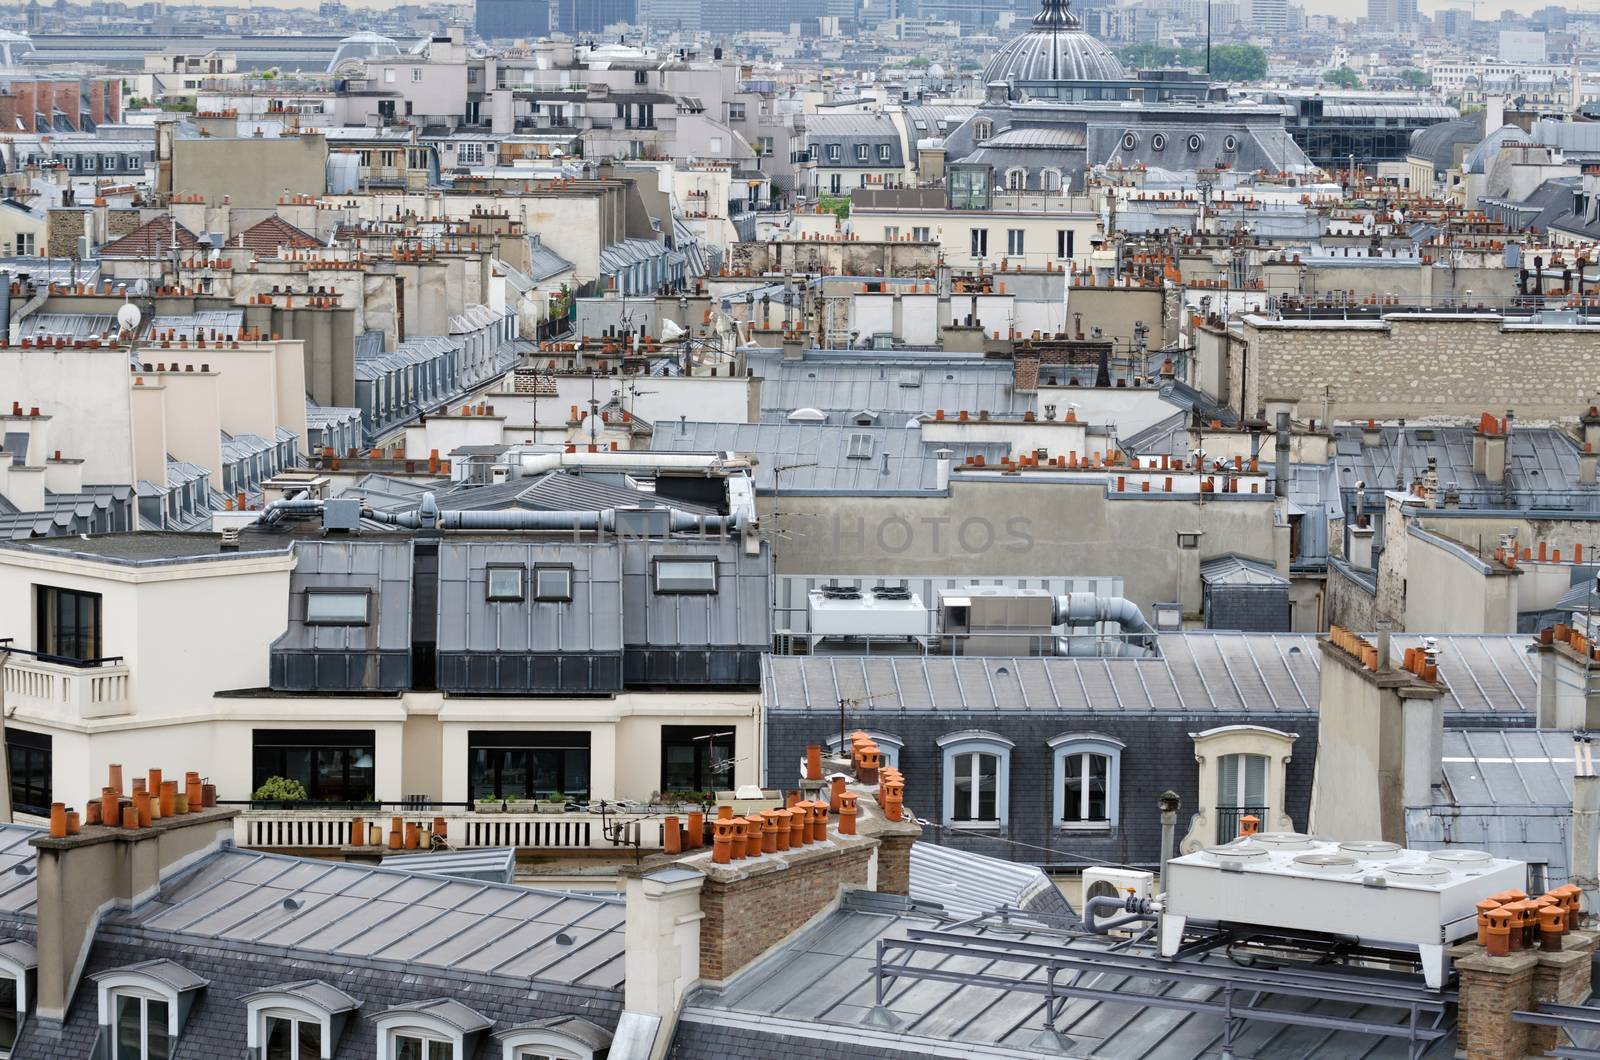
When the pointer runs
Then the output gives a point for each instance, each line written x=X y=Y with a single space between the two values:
x=278 y=793
x=489 y=804
x=555 y=802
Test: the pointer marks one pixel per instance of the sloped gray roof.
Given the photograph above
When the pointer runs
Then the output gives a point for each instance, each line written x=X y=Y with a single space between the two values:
x=449 y=1010
x=969 y=884
x=1233 y=569
x=1437 y=143
x=386 y=916
x=1539 y=461
x=893 y=460
x=1507 y=791
x=323 y=995
x=901 y=385
x=1199 y=673
x=166 y=972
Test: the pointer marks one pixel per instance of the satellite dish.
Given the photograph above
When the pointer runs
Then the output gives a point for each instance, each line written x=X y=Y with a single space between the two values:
x=128 y=316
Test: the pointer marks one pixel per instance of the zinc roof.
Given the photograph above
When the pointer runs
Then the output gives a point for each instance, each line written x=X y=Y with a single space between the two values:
x=1199 y=673
x=347 y=912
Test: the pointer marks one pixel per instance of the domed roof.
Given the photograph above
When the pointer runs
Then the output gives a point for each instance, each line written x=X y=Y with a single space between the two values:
x=364 y=45
x=1056 y=49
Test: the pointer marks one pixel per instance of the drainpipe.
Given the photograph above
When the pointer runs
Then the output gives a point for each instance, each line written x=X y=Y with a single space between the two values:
x=5 y=760
x=1280 y=460
x=1585 y=822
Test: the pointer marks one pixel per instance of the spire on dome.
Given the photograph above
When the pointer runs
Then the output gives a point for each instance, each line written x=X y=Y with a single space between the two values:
x=1056 y=15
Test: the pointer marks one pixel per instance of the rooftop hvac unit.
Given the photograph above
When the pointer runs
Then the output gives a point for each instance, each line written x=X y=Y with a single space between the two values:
x=881 y=612
x=1105 y=881
x=1378 y=893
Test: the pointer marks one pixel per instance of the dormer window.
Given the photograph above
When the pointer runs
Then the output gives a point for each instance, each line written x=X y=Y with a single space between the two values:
x=297 y=1021
x=338 y=607
x=18 y=962
x=441 y=1029
x=558 y=1038
x=142 y=1008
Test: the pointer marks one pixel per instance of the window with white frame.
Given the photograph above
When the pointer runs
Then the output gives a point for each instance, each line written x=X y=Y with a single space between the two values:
x=1087 y=770
x=862 y=152
x=1016 y=240
x=977 y=779
x=1016 y=179
x=141 y=1026
x=415 y=1045
x=17 y=960
x=883 y=152
x=291 y=1036
x=470 y=154
x=979 y=243
x=442 y=1029
x=835 y=152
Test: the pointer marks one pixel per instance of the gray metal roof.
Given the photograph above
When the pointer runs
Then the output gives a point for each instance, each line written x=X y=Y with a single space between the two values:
x=19 y=863
x=322 y=995
x=1540 y=461
x=1233 y=569
x=1507 y=791
x=1211 y=672
x=826 y=450
x=814 y=998
x=449 y=1010
x=494 y=864
x=168 y=973
x=346 y=912
x=903 y=386
x=967 y=884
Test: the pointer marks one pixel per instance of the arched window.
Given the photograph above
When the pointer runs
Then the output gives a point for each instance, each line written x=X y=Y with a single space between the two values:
x=297 y=1021
x=977 y=779
x=982 y=129
x=888 y=744
x=18 y=960
x=1016 y=179
x=142 y=1008
x=1050 y=179
x=441 y=1029
x=558 y=1038
x=1088 y=776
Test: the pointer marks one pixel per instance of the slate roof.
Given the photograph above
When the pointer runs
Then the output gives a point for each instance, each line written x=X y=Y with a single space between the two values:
x=153 y=239
x=1488 y=676
x=265 y=237
x=493 y=955
x=1507 y=791
x=1437 y=143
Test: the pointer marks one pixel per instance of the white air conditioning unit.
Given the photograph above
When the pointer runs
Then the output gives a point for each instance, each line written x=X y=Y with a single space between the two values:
x=1108 y=882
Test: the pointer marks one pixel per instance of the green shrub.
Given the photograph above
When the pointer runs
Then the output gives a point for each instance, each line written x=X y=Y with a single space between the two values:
x=280 y=789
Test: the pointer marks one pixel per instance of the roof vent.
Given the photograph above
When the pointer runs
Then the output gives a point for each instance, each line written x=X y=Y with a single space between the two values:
x=292 y=903
x=1370 y=849
x=1327 y=864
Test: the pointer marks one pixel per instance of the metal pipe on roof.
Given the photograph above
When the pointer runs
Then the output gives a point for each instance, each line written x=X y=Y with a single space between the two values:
x=428 y=516
x=1088 y=609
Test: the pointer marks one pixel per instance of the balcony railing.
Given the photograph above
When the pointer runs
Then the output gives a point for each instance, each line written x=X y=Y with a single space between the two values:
x=573 y=831
x=45 y=685
x=1229 y=820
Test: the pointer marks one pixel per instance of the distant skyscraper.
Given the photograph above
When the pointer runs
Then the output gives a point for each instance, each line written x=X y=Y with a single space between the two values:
x=527 y=19
x=1392 y=14
x=1269 y=16
x=593 y=16
x=1454 y=22
x=1521 y=46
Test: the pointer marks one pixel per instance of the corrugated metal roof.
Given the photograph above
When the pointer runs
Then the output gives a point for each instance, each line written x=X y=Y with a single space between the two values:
x=1538 y=459
x=968 y=884
x=886 y=460
x=384 y=914
x=1211 y=672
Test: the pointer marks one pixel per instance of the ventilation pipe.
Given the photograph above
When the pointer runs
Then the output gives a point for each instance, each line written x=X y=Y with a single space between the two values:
x=941 y=468
x=428 y=516
x=1090 y=609
x=1280 y=461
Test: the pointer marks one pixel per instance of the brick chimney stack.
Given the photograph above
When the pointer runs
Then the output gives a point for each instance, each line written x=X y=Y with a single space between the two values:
x=84 y=871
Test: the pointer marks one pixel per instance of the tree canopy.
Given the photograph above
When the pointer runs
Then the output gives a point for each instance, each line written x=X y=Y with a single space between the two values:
x=1229 y=62
x=1344 y=77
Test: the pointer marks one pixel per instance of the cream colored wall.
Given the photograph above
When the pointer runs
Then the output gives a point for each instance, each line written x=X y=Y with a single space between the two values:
x=193 y=410
x=86 y=390
x=1209 y=746
x=147 y=411
x=625 y=734
x=1345 y=794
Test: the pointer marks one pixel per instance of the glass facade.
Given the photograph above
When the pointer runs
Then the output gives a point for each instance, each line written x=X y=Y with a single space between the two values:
x=335 y=765
x=527 y=765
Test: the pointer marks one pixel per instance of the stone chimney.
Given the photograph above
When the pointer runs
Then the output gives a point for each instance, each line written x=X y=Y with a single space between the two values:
x=1489 y=447
x=1379 y=739
x=85 y=870
x=1569 y=679
x=1361 y=546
